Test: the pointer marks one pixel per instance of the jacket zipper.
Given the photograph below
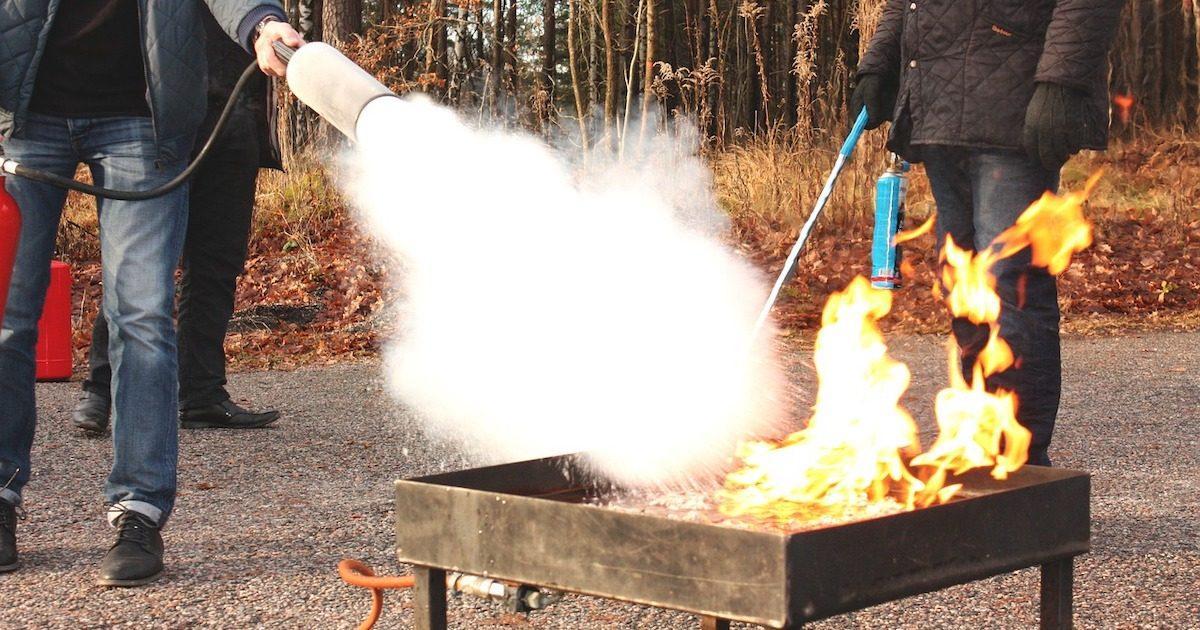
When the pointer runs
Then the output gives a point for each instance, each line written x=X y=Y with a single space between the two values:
x=21 y=111
x=142 y=10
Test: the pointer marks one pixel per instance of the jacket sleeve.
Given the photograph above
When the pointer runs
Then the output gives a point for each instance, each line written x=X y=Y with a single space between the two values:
x=1077 y=42
x=883 y=53
x=239 y=17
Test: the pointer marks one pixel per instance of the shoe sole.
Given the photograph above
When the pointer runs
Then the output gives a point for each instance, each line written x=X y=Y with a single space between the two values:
x=8 y=568
x=128 y=583
x=92 y=430
x=208 y=424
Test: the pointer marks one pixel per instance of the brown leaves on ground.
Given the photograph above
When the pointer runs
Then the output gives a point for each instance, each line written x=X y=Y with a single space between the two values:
x=333 y=273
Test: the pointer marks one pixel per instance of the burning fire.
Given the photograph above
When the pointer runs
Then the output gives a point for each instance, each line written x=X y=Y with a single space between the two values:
x=1124 y=103
x=853 y=449
x=854 y=443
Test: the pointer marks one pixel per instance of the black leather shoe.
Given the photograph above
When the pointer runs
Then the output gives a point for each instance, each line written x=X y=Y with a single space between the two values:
x=136 y=557
x=92 y=413
x=8 y=537
x=225 y=415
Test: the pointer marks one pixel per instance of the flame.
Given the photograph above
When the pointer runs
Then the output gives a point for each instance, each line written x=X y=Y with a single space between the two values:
x=1054 y=228
x=976 y=427
x=1124 y=103
x=921 y=230
x=853 y=449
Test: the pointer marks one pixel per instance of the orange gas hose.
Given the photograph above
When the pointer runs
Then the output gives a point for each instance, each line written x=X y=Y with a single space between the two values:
x=356 y=573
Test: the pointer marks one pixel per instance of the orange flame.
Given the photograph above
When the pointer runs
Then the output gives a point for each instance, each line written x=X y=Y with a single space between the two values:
x=1124 y=103
x=976 y=427
x=917 y=232
x=852 y=450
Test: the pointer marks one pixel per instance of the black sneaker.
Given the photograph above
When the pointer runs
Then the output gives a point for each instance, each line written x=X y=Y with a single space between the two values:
x=92 y=413
x=136 y=557
x=225 y=415
x=8 y=537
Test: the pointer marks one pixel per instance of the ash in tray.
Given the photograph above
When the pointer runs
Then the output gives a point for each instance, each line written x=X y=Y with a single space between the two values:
x=698 y=506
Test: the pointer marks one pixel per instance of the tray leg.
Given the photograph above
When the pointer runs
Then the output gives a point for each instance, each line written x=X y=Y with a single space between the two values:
x=1057 y=593
x=713 y=623
x=429 y=599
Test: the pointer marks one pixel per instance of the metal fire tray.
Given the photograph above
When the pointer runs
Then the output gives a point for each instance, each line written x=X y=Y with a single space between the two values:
x=525 y=522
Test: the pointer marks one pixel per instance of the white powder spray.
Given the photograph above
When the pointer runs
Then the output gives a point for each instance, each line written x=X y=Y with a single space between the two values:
x=550 y=309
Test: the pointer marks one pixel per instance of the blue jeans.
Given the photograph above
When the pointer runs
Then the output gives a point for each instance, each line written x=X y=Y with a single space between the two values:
x=140 y=243
x=979 y=193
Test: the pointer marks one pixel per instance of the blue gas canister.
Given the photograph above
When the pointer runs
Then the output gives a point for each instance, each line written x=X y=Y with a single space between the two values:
x=889 y=220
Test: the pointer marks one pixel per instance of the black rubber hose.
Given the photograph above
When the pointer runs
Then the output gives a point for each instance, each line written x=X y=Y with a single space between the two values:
x=135 y=195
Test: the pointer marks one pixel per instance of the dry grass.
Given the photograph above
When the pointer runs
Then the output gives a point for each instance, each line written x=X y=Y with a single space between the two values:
x=769 y=186
x=296 y=209
x=293 y=211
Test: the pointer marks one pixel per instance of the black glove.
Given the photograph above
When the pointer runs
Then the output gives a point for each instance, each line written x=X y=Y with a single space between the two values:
x=878 y=94
x=1054 y=125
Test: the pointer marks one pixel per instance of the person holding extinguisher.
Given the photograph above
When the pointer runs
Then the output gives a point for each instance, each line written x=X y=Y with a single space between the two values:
x=118 y=85
x=221 y=207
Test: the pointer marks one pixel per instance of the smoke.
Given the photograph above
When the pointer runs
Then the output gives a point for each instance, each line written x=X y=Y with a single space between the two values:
x=551 y=307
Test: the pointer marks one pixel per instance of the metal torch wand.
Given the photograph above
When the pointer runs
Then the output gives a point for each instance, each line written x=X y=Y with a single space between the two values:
x=843 y=156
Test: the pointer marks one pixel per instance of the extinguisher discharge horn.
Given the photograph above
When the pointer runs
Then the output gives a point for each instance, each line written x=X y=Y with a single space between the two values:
x=329 y=83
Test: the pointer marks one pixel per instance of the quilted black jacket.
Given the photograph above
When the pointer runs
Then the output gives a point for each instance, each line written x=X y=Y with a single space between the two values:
x=173 y=46
x=967 y=68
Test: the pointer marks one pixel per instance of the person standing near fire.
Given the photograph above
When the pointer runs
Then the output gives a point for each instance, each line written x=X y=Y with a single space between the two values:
x=118 y=85
x=994 y=96
x=220 y=209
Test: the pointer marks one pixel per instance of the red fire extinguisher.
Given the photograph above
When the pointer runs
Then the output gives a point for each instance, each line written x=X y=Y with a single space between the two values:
x=10 y=231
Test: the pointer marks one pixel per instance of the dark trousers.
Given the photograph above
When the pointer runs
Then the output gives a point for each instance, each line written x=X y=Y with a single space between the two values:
x=214 y=255
x=979 y=193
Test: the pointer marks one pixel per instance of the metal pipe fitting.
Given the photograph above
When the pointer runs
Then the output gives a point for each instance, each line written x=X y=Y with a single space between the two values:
x=515 y=597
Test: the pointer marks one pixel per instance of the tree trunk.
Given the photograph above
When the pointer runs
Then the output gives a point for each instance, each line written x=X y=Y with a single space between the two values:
x=675 y=37
x=790 y=78
x=435 y=48
x=593 y=53
x=1193 y=74
x=341 y=19
x=511 y=40
x=549 y=40
x=459 y=73
x=497 y=53
x=651 y=57
x=308 y=16
x=716 y=45
x=628 y=45
x=580 y=107
x=610 y=68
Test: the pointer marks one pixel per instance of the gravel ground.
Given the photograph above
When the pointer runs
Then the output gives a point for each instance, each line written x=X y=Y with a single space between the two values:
x=263 y=517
